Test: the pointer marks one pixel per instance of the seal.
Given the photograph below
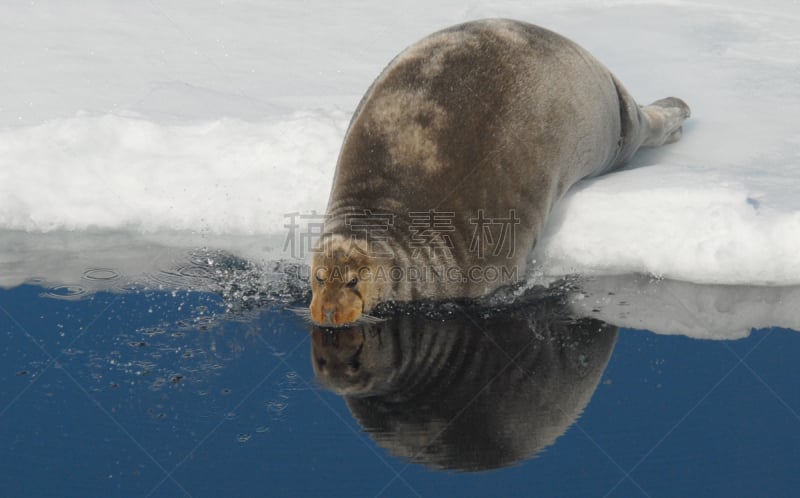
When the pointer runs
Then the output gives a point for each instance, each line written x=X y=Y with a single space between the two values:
x=455 y=157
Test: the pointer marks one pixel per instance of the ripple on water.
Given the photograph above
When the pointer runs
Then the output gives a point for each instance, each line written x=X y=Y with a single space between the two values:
x=100 y=274
x=191 y=275
x=194 y=271
x=66 y=292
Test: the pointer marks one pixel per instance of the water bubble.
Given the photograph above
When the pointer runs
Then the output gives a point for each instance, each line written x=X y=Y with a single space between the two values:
x=157 y=384
x=276 y=408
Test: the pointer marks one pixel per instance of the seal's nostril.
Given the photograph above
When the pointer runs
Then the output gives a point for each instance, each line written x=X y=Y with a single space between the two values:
x=329 y=315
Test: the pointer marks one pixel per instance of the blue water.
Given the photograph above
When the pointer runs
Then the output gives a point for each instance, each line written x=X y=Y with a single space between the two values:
x=181 y=393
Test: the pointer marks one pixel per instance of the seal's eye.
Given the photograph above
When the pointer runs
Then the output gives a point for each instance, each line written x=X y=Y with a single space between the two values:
x=354 y=364
x=352 y=283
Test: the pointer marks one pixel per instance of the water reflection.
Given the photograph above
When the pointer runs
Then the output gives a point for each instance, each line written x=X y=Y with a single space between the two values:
x=472 y=390
x=682 y=308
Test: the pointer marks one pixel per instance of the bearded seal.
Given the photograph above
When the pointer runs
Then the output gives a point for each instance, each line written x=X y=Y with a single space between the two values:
x=455 y=157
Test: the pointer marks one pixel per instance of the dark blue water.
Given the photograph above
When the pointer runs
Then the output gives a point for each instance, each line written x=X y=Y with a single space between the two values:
x=178 y=393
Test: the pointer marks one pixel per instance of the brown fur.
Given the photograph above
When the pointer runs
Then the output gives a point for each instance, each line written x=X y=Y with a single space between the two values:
x=479 y=119
x=335 y=301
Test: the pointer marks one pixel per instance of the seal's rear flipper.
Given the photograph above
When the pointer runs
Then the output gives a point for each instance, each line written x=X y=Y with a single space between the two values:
x=664 y=121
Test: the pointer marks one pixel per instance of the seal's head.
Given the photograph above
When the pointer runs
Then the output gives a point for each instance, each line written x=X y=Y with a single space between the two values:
x=342 y=282
x=338 y=359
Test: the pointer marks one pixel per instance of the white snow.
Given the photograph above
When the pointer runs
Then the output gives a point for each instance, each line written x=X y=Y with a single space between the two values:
x=113 y=172
x=221 y=117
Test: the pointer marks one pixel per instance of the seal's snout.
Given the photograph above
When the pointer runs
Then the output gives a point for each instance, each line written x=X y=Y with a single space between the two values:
x=335 y=317
x=333 y=314
x=329 y=312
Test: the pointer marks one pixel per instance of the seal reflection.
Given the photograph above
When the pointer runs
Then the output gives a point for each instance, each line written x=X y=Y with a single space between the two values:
x=469 y=389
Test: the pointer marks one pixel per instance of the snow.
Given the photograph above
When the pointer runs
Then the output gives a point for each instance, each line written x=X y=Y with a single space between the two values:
x=113 y=172
x=219 y=118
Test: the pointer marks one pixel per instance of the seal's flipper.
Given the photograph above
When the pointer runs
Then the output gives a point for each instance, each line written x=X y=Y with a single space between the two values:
x=664 y=121
x=647 y=126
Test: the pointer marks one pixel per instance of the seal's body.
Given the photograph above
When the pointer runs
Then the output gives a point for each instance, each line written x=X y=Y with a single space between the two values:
x=455 y=157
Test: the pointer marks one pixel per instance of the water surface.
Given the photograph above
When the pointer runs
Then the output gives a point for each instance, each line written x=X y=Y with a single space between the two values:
x=200 y=380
